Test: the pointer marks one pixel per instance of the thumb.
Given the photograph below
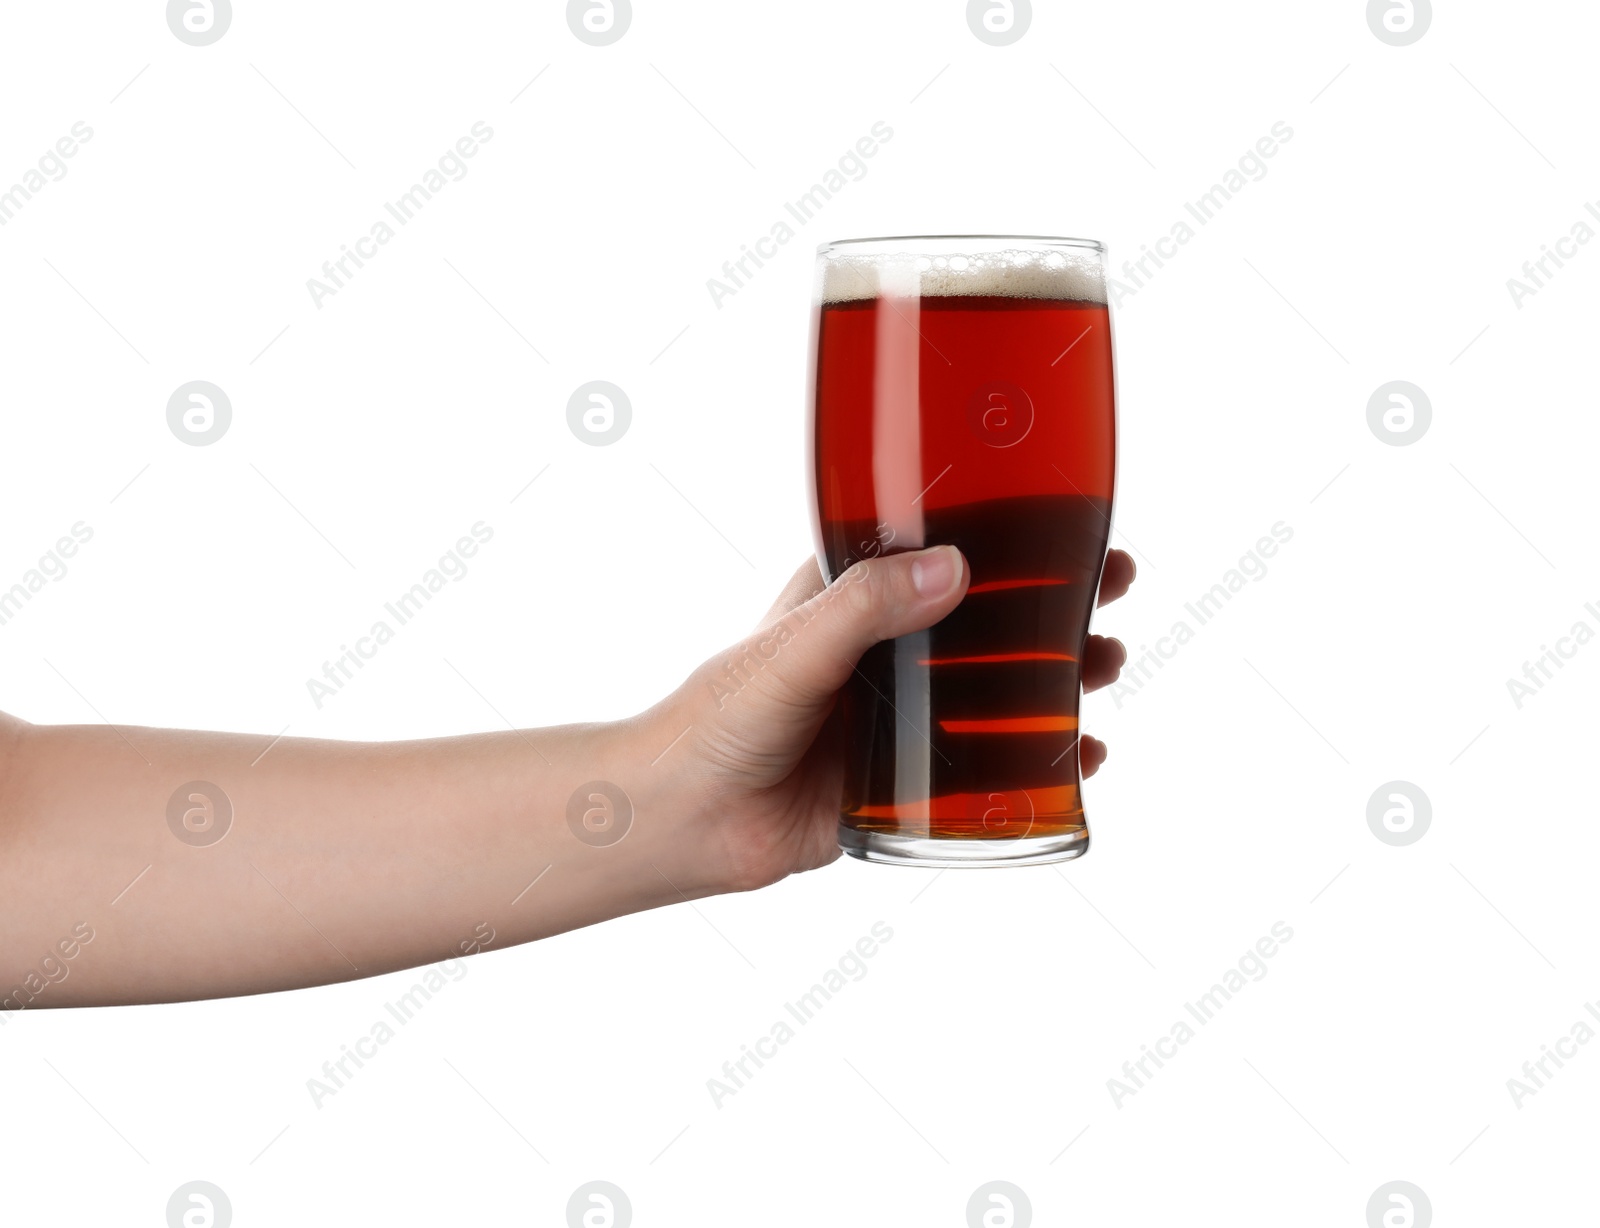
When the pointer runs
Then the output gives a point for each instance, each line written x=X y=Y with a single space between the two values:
x=814 y=648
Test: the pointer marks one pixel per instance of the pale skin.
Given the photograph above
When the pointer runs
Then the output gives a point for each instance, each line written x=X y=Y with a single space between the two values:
x=348 y=859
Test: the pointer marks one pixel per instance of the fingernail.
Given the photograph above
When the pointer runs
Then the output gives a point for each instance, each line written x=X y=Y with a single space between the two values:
x=934 y=574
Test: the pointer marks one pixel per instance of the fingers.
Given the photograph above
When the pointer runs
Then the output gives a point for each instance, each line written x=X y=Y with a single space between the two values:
x=1091 y=754
x=813 y=649
x=1104 y=656
x=1117 y=576
x=805 y=584
x=1103 y=659
x=812 y=637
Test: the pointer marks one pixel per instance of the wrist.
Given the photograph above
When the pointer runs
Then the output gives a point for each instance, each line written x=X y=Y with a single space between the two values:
x=674 y=829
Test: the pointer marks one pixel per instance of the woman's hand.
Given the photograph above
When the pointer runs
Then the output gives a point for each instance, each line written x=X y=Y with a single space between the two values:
x=312 y=861
x=763 y=777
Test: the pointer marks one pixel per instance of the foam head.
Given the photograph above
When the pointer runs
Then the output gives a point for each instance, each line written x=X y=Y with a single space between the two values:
x=1072 y=274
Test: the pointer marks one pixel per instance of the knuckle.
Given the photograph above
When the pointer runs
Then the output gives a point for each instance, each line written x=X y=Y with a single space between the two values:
x=858 y=590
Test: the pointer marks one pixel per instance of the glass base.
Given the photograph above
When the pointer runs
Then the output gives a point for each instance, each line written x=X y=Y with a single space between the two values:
x=958 y=854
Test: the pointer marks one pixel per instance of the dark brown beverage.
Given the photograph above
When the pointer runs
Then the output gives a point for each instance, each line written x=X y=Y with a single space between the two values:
x=970 y=404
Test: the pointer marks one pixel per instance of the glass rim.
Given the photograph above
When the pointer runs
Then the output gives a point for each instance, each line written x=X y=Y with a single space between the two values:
x=1094 y=245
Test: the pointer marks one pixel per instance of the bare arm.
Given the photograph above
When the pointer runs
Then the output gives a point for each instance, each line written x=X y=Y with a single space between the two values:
x=154 y=865
x=323 y=861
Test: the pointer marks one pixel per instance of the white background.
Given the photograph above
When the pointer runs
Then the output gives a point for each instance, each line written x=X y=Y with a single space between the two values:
x=368 y=434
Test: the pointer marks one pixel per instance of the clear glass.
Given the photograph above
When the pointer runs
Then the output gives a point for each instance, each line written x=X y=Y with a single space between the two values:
x=962 y=392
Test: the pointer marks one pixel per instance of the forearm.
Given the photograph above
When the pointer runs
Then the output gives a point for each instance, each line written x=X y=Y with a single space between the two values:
x=149 y=865
x=339 y=859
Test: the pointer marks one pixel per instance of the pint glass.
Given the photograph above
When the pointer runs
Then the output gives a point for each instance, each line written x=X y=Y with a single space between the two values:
x=962 y=393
